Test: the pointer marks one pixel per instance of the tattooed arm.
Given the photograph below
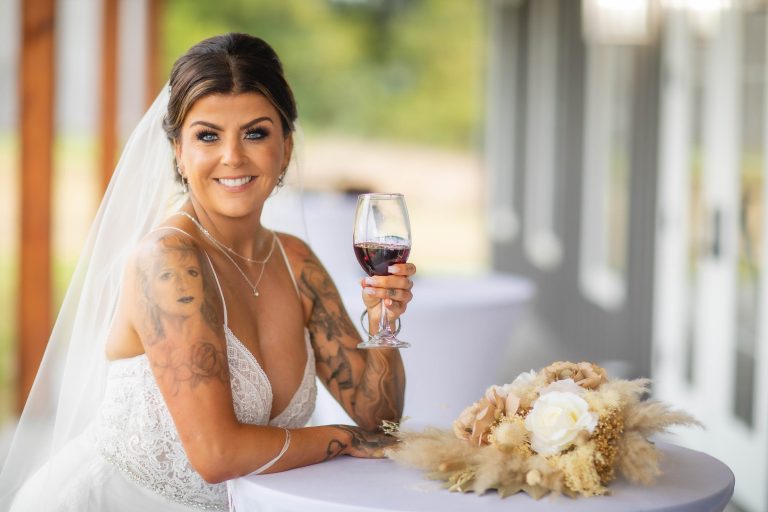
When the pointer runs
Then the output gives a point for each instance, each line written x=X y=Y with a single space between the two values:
x=177 y=312
x=369 y=384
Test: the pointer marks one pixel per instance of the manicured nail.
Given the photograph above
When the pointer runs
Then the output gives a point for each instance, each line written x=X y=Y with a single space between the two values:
x=392 y=269
x=369 y=280
x=370 y=291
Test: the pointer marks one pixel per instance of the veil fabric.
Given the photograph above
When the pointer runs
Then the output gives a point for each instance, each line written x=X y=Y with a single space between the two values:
x=70 y=383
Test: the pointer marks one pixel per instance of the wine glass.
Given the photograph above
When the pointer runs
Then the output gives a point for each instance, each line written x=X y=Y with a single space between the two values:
x=381 y=237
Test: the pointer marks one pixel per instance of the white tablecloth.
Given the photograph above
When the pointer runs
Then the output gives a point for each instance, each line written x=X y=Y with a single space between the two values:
x=692 y=482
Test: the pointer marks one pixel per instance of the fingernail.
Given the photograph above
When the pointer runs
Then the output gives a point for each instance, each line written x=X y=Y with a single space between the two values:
x=388 y=302
x=392 y=269
x=369 y=280
x=370 y=291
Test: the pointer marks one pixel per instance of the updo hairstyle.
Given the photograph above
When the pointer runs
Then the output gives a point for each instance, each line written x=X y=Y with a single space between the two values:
x=228 y=64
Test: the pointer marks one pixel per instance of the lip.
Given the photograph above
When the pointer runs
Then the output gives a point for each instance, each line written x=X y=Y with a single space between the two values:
x=237 y=188
x=186 y=300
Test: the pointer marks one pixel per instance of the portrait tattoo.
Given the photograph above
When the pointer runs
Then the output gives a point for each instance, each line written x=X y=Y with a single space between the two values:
x=188 y=279
x=175 y=282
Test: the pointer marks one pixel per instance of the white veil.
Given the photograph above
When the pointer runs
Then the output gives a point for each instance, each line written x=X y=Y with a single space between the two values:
x=70 y=382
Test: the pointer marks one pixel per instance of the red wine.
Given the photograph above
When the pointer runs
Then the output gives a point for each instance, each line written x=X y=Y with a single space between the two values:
x=376 y=257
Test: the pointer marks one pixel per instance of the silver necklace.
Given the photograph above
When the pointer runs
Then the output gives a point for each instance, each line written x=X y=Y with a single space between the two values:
x=226 y=249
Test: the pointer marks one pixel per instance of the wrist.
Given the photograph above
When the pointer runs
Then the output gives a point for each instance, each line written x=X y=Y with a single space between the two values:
x=344 y=437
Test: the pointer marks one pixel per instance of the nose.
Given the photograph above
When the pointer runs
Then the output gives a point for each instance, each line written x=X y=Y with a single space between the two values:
x=234 y=155
x=181 y=283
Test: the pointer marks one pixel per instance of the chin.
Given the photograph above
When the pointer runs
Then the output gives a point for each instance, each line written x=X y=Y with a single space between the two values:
x=240 y=207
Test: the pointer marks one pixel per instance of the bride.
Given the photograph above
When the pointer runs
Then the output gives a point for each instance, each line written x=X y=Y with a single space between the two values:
x=187 y=348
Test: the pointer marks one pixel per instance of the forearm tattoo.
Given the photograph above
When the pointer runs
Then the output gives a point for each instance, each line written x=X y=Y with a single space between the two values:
x=180 y=317
x=334 y=449
x=377 y=393
x=359 y=441
x=382 y=391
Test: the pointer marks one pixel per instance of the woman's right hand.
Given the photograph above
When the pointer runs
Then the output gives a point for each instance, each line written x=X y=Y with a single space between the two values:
x=361 y=443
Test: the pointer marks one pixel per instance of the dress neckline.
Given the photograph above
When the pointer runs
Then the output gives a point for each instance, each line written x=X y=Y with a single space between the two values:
x=231 y=335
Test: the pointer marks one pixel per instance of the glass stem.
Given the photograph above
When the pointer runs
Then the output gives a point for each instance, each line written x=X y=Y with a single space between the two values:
x=383 y=323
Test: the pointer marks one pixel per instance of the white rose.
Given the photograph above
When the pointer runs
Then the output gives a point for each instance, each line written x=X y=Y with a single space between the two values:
x=524 y=379
x=563 y=386
x=556 y=419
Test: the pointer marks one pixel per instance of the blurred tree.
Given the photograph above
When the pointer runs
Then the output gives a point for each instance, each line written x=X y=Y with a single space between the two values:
x=407 y=70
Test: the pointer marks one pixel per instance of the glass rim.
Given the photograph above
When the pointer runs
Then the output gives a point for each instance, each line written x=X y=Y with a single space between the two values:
x=381 y=195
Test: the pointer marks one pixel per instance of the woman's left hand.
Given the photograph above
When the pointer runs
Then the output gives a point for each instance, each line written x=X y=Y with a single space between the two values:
x=394 y=290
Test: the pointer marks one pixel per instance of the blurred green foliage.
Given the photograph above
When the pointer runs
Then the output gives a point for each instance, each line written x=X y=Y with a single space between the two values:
x=408 y=70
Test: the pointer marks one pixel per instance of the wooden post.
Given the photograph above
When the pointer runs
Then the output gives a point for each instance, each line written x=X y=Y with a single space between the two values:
x=36 y=163
x=109 y=91
x=153 y=50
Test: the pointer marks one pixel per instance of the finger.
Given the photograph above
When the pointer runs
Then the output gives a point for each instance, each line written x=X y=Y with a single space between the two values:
x=389 y=294
x=402 y=269
x=388 y=282
x=394 y=309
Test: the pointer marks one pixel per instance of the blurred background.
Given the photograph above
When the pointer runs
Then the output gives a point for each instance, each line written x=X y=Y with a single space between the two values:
x=585 y=178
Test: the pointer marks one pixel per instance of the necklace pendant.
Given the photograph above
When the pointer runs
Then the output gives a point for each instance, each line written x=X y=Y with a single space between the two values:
x=255 y=293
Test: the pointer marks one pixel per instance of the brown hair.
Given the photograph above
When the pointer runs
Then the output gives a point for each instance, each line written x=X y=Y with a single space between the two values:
x=228 y=64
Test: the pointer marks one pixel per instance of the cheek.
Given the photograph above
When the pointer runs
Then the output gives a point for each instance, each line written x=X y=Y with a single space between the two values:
x=161 y=290
x=195 y=284
x=195 y=157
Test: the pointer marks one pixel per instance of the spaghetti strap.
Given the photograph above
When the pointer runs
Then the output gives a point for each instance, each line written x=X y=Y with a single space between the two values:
x=218 y=285
x=170 y=227
x=288 y=264
x=215 y=276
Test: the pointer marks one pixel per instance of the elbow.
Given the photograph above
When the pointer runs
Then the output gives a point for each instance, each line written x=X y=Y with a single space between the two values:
x=211 y=461
x=212 y=473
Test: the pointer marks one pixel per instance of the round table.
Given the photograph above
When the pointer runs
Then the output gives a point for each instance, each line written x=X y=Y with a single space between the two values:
x=691 y=482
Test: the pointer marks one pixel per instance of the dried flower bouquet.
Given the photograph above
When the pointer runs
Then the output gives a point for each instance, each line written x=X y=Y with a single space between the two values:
x=565 y=429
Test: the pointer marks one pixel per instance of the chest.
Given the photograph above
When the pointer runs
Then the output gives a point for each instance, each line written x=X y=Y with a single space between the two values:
x=269 y=326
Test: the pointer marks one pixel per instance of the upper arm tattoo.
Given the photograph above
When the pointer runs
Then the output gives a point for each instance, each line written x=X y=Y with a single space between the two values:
x=180 y=319
x=328 y=325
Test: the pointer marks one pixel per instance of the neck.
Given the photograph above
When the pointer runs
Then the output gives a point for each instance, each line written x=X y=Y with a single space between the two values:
x=244 y=235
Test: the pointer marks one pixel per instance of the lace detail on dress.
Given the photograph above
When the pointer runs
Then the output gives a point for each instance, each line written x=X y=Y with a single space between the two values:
x=135 y=432
x=248 y=380
x=302 y=405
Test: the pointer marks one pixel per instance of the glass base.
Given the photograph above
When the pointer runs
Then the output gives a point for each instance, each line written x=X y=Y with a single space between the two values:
x=384 y=341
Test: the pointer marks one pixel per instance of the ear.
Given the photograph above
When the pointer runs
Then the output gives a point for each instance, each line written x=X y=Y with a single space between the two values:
x=177 y=152
x=287 y=150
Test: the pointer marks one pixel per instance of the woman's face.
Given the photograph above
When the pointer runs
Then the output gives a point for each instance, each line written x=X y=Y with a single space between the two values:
x=177 y=283
x=232 y=150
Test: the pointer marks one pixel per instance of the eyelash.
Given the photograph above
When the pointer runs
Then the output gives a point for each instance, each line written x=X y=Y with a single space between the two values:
x=204 y=135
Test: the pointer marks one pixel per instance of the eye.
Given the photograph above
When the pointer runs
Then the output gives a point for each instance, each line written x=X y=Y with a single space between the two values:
x=207 y=136
x=256 y=133
x=165 y=276
x=193 y=272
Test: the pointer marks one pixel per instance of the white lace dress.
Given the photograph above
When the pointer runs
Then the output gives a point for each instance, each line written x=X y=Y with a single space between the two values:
x=131 y=458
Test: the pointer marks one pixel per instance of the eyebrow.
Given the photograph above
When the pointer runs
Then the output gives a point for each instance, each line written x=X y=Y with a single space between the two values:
x=243 y=127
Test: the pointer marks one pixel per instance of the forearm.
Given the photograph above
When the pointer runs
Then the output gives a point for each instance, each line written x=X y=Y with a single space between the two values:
x=380 y=393
x=250 y=447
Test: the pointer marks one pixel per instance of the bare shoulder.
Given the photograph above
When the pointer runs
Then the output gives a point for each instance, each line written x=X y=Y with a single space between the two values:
x=170 y=277
x=157 y=247
x=155 y=265
x=176 y=234
x=303 y=260
x=297 y=250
